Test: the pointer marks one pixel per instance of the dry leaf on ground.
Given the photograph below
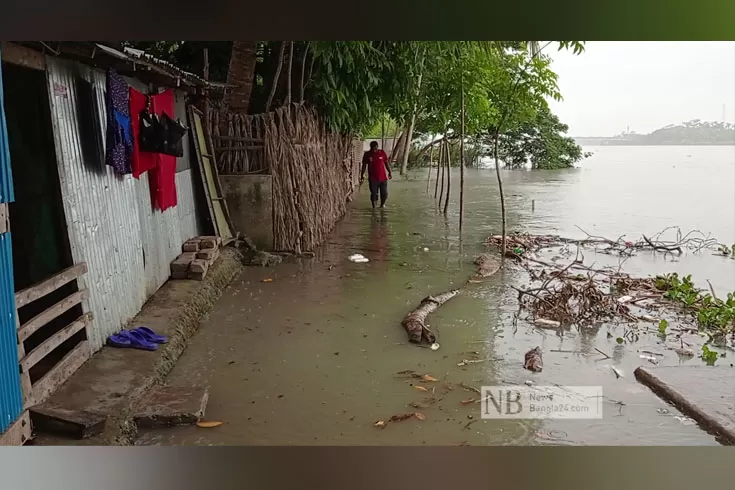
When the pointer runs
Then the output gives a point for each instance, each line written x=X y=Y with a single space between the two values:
x=401 y=417
x=208 y=424
x=267 y=279
x=429 y=378
x=420 y=388
x=420 y=416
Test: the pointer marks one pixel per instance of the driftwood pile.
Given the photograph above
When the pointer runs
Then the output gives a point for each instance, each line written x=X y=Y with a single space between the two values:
x=577 y=294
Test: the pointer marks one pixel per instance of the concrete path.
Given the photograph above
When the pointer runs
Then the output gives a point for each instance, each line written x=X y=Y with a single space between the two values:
x=706 y=394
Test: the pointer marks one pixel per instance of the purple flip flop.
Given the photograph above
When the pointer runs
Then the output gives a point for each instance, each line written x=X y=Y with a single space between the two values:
x=150 y=335
x=117 y=340
x=137 y=340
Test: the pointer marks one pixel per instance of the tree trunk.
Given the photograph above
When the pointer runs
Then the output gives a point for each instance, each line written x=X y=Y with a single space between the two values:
x=407 y=145
x=502 y=199
x=276 y=76
x=240 y=75
x=414 y=113
x=382 y=133
x=429 y=146
x=428 y=178
x=439 y=164
x=402 y=148
x=290 y=73
x=449 y=177
x=414 y=322
x=461 y=162
x=397 y=142
x=303 y=72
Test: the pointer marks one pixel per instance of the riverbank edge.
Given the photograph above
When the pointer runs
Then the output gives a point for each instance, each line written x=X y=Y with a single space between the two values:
x=192 y=300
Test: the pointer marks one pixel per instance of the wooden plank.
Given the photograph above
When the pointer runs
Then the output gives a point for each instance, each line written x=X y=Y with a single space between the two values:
x=43 y=318
x=51 y=284
x=22 y=55
x=79 y=424
x=25 y=378
x=44 y=387
x=4 y=222
x=32 y=358
x=195 y=123
x=18 y=433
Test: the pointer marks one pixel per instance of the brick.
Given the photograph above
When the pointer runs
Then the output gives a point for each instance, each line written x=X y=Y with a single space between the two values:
x=196 y=276
x=209 y=242
x=207 y=254
x=180 y=274
x=181 y=263
x=198 y=266
x=191 y=246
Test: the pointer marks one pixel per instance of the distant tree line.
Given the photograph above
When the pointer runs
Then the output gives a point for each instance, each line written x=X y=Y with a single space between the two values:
x=695 y=132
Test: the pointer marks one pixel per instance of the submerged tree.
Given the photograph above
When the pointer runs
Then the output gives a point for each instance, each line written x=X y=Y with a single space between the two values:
x=540 y=142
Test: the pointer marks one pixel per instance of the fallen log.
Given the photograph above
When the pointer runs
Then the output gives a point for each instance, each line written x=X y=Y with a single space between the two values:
x=414 y=322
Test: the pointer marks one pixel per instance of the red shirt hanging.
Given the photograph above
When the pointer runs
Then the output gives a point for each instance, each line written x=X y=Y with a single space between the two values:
x=161 y=168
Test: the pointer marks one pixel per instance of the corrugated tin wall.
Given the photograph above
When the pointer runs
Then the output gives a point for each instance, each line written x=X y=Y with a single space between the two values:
x=11 y=400
x=127 y=245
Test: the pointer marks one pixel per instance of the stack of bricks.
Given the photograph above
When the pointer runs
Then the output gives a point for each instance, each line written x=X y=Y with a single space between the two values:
x=198 y=255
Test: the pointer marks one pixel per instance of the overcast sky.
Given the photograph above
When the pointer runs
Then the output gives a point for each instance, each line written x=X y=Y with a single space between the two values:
x=644 y=85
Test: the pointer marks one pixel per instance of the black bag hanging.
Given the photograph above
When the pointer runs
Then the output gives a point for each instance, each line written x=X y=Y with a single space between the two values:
x=175 y=132
x=152 y=133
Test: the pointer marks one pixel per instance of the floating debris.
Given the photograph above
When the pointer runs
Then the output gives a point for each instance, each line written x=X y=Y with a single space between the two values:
x=358 y=258
x=434 y=346
x=533 y=361
x=544 y=323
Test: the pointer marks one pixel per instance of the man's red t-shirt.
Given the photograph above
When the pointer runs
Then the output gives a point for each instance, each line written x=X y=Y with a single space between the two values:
x=376 y=165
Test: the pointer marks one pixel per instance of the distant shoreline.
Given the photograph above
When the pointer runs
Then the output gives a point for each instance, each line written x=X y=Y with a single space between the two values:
x=600 y=142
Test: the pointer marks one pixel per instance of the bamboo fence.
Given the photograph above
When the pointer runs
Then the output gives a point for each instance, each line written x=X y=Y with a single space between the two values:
x=315 y=171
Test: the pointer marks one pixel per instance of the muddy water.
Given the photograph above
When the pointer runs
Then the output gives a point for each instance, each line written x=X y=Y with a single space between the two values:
x=311 y=357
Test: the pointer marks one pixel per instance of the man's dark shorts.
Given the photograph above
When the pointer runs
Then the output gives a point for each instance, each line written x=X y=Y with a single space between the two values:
x=378 y=187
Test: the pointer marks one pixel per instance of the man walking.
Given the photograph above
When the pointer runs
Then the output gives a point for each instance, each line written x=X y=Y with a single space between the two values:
x=376 y=163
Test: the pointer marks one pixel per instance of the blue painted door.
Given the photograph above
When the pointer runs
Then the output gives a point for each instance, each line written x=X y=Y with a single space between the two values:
x=11 y=399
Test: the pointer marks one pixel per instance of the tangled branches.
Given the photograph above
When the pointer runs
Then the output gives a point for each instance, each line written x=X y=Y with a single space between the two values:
x=694 y=241
x=565 y=298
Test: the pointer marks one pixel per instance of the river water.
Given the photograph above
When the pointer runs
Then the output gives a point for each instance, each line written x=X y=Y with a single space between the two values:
x=311 y=357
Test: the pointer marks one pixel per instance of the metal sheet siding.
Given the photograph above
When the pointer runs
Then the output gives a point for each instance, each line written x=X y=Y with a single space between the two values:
x=6 y=174
x=127 y=245
x=11 y=400
x=101 y=215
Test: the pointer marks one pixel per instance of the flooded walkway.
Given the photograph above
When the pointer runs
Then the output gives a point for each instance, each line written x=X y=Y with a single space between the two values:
x=311 y=357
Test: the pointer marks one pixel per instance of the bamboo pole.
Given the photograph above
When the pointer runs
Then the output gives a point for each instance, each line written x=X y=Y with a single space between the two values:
x=461 y=161
x=502 y=200
x=428 y=177
x=449 y=177
x=438 y=165
x=441 y=192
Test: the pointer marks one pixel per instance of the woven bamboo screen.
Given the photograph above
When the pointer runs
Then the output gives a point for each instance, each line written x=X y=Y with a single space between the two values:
x=315 y=171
